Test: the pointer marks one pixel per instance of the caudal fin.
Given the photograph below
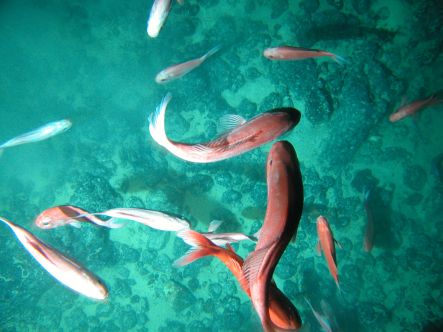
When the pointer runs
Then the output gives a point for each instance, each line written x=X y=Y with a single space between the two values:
x=201 y=247
x=212 y=51
x=340 y=59
x=157 y=122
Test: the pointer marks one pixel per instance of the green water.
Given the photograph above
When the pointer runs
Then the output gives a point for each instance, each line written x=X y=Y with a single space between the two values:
x=91 y=62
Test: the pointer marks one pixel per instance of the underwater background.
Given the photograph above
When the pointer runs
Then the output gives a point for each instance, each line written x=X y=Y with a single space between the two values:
x=92 y=62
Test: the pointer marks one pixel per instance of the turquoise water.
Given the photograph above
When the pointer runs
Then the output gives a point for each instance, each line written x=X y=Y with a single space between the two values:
x=91 y=62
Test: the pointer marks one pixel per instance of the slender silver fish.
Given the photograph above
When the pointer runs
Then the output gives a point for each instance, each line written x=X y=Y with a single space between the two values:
x=39 y=134
x=157 y=17
x=176 y=71
x=60 y=267
x=222 y=239
x=154 y=219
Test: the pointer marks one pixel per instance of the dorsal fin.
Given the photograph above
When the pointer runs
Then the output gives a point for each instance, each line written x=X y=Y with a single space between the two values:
x=253 y=263
x=214 y=225
x=230 y=121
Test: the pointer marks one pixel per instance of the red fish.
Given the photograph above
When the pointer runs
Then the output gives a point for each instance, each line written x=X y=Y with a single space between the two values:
x=327 y=245
x=298 y=53
x=282 y=312
x=283 y=212
x=67 y=214
x=412 y=108
x=244 y=137
x=368 y=241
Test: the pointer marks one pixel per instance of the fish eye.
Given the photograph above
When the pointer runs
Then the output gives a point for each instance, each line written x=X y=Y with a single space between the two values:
x=46 y=221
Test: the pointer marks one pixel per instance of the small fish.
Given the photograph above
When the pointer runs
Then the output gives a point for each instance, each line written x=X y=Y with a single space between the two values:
x=298 y=53
x=327 y=245
x=157 y=17
x=324 y=323
x=368 y=241
x=176 y=71
x=283 y=213
x=60 y=267
x=154 y=219
x=69 y=215
x=39 y=134
x=412 y=108
x=246 y=136
x=222 y=239
x=282 y=312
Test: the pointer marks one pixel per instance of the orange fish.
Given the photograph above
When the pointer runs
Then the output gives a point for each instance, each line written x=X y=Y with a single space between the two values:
x=412 y=108
x=69 y=215
x=327 y=245
x=298 y=53
x=283 y=213
x=282 y=312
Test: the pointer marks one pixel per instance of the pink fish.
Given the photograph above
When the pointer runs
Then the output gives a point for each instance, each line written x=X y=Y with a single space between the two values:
x=69 y=215
x=66 y=271
x=282 y=312
x=368 y=241
x=327 y=245
x=284 y=208
x=298 y=53
x=246 y=136
x=412 y=108
x=176 y=71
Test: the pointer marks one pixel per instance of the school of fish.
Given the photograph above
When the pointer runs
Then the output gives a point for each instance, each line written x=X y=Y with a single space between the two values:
x=285 y=197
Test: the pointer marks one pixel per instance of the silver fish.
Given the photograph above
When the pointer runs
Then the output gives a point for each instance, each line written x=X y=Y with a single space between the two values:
x=60 y=267
x=176 y=71
x=154 y=219
x=157 y=17
x=39 y=134
x=222 y=239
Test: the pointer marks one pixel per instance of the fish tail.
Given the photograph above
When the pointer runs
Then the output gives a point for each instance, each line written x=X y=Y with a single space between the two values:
x=341 y=60
x=212 y=51
x=201 y=247
x=157 y=122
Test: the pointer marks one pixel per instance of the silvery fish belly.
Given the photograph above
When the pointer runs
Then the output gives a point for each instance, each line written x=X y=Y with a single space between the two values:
x=60 y=267
x=157 y=17
x=39 y=134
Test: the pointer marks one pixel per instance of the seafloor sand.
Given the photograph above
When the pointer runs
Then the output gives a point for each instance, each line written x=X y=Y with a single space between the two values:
x=92 y=62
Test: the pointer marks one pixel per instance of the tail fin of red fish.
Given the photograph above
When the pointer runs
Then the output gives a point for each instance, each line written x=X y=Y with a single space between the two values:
x=340 y=59
x=201 y=247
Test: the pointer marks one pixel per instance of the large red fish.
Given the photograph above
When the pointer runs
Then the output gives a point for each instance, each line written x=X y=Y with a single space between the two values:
x=412 y=108
x=327 y=245
x=298 y=53
x=283 y=212
x=244 y=137
x=282 y=312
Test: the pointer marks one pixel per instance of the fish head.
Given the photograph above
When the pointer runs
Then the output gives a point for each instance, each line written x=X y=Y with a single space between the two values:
x=162 y=77
x=282 y=152
x=44 y=222
x=322 y=224
x=270 y=53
